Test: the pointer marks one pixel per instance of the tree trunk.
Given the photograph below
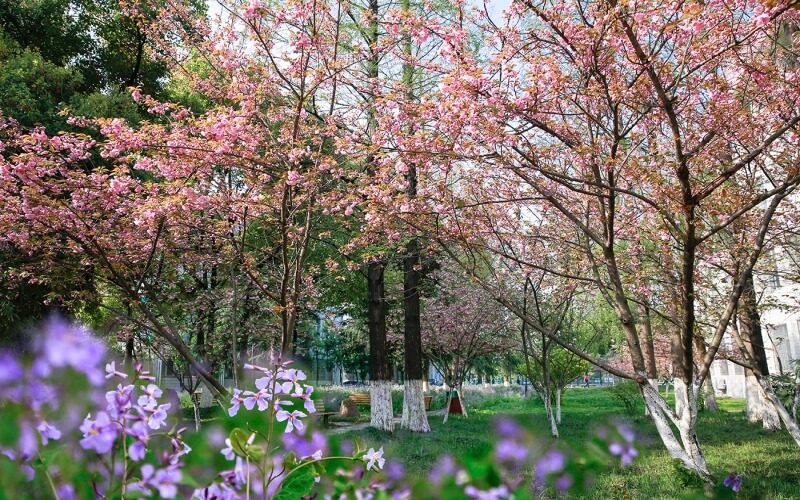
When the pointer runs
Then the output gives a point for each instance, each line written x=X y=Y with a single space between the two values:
x=462 y=402
x=426 y=370
x=769 y=394
x=196 y=406
x=558 y=405
x=757 y=409
x=690 y=454
x=548 y=409
x=381 y=415
x=681 y=396
x=414 y=418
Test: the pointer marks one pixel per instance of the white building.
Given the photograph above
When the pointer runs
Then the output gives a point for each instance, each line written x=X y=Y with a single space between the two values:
x=779 y=298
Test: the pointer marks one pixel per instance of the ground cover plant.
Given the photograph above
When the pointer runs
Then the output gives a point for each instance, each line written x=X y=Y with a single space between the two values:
x=129 y=445
x=766 y=462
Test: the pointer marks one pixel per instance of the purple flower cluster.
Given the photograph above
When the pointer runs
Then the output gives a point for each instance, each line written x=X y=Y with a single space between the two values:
x=733 y=481
x=276 y=389
x=624 y=449
x=35 y=387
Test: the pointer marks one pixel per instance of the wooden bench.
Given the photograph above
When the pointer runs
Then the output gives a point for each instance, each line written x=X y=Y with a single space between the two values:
x=360 y=399
x=319 y=410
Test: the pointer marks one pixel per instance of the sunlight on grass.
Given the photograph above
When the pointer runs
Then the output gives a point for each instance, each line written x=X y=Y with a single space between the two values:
x=769 y=461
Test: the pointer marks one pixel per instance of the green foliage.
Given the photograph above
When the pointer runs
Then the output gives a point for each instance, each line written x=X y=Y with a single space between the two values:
x=297 y=485
x=628 y=395
x=32 y=89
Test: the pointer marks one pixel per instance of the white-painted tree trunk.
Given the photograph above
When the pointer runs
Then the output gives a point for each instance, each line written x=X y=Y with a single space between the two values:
x=506 y=381
x=426 y=386
x=681 y=397
x=654 y=384
x=757 y=408
x=196 y=407
x=688 y=453
x=415 y=418
x=381 y=415
x=558 y=405
x=785 y=416
x=709 y=397
x=461 y=401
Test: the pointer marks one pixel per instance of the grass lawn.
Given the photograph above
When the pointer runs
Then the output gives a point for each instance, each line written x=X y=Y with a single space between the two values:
x=770 y=462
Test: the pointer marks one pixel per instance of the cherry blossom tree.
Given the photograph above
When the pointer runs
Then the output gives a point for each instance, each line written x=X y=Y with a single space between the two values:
x=619 y=124
x=461 y=324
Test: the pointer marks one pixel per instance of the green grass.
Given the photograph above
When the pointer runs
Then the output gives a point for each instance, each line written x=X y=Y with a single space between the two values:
x=770 y=462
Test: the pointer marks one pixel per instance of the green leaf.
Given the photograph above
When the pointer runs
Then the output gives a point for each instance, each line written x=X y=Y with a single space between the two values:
x=239 y=439
x=297 y=485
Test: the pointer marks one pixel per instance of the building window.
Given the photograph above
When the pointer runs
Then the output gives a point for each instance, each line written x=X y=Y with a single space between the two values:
x=738 y=370
x=723 y=367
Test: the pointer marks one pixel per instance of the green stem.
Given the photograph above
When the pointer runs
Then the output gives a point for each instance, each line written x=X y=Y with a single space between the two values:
x=49 y=479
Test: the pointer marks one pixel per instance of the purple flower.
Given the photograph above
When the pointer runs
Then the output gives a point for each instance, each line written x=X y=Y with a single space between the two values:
x=227 y=452
x=151 y=393
x=154 y=417
x=293 y=378
x=236 y=401
x=303 y=448
x=215 y=492
x=733 y=481
x=260 y=398
x=10 y=369
x=626 y=452
x=552 y=462
x=142 y=435
x=308 y=403
x=65 y=345
x=99 y=434
x=508 y=428
x=142 y=373
x=235 y=477
x=293 y=419
x=490 y=494
x=28 y=445
x=48 y=432
x=446 y=466
x=119 y=401
x=111 y=371
x=508 y=449
x=563 y=483
x=27 y=469
x=626 y=432
x=395 y=471
x=373 y=456
x=265 y=382
x=164 y=480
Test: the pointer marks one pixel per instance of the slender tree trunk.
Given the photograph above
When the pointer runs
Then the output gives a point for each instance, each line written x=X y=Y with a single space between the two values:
x=196 y=407
x=709 y=398
x=687 y=449
x=548 y=409
x=426 y=370
x=648 y=346
x=558 y=405
x=381 y=415
x=757 y=408
x=414 y=418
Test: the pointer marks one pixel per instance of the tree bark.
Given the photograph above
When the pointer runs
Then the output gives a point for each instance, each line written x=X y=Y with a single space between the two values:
x=414 y=418
x=381 y=416
x=558 y=405
x=757 y=409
